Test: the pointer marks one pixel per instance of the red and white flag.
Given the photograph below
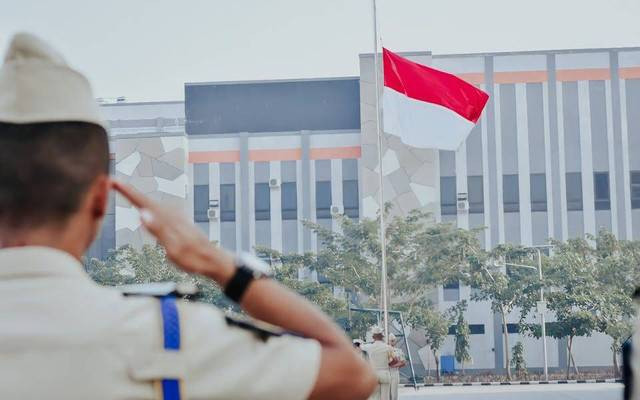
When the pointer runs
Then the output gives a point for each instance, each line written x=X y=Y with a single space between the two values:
x=426 y=107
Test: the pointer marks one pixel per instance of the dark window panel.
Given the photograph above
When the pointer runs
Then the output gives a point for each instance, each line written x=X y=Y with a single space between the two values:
x=574 y=191
x=289 y=199
x=538 y=186
x=452 y=285
x=200 y=203
x=476 y=194
x=262 y=201
x=448 y=197
x=476 y=329
x=512 y=328
x=228 y=202
x=350 y=198
x=601 y=191
x=451 y=291
x=323 y=199
x=510 y=193
x=635 y=189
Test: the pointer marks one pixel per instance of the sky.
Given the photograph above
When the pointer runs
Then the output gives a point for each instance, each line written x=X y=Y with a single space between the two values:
x=147 y=50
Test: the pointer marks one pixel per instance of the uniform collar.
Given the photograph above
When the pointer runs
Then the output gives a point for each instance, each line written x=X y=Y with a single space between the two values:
x=38 y=261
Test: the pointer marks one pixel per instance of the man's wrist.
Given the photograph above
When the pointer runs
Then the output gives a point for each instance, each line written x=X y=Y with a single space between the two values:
x=219 y=266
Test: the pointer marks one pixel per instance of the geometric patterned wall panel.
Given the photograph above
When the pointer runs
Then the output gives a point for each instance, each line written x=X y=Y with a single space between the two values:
x=410 y=175
x=157 y=167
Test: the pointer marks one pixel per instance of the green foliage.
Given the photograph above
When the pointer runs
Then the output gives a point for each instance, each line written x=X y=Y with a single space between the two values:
x=518 y=359
x=128 y=265
x=587 y=282
x=462 y=332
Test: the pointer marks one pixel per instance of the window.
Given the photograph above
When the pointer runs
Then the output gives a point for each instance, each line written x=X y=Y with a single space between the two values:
x=512 y=328
x=448 y=197
x=262 y=197
x=474 y=329
x=635 y=189
x=510 y=193
x=601 y=192
x=228 y=202
x=476 y=194
x=574 y=191
x=350 y=198
x=200 y=203
x=323 y=199
x=451 y=291
x=538 y=186
x=289 y=199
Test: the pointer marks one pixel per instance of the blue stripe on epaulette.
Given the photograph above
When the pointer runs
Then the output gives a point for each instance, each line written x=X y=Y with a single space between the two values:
x=171 y=332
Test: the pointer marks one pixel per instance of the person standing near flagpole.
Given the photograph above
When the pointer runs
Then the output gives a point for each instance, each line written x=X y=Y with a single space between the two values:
x=397 y=363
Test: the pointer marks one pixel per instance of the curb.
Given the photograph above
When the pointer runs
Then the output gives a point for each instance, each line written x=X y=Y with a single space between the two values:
x=517 y=383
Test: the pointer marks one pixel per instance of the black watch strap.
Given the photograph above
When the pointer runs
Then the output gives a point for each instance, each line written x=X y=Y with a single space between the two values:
x=238 y=284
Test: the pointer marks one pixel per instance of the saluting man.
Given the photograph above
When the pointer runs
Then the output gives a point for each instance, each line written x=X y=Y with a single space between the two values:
x=64 y=337
x=380 y=356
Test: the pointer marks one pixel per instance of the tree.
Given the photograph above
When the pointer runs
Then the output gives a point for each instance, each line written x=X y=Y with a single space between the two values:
x=573 y=275
x=506 y=287
x=462 y=333
x=285 y=269
x=617 y=278
x=435 y=327
x=518 y=360
x=421 y=255
x=127 y=265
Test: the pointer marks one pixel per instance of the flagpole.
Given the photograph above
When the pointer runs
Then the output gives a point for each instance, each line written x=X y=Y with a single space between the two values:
x=383 y=247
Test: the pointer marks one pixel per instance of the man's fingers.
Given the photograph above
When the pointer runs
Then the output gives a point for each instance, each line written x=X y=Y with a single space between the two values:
x=136 y=198
x=150 y=221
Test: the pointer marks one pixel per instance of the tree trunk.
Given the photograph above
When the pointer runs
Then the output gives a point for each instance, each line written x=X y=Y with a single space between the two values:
x=616 y=368
x=575 y=367
x=435 y=357
x=570 y=358
x=506 y=343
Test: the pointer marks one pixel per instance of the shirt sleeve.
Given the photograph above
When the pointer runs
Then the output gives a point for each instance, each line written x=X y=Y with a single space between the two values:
x=225 y=361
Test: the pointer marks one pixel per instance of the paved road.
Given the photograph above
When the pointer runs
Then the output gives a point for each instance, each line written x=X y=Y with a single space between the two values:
x=579 y=391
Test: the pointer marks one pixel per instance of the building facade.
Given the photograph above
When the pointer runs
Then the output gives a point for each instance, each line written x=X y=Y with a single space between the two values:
x=556 y=154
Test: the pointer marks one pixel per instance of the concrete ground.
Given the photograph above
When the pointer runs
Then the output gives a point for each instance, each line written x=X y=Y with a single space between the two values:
x=578 y=391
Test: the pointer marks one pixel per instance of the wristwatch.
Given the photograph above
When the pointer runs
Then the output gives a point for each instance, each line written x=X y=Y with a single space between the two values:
x=248 y=269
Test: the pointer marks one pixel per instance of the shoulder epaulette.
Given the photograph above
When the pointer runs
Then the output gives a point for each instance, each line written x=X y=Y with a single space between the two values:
x=183 y=290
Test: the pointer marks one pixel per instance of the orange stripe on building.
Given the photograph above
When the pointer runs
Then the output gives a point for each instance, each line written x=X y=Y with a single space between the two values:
x=214 y=156
x=475 y=78
x=275 y=155
x=331 y=153
x=629 y=73
x=520 y=77
x=589 y=74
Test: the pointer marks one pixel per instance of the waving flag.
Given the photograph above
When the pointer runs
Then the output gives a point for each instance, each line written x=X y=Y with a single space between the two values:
x=426 y=107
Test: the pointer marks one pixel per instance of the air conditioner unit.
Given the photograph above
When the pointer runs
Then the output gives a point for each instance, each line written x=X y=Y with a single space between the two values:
x=463 y=207
x=274 y=183
x=462 y=203
x=337 y=210
x=212 y=214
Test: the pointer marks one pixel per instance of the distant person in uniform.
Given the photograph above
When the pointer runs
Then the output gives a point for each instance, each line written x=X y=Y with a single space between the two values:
x=64 y=337
x=380 y=356
x=397 y=363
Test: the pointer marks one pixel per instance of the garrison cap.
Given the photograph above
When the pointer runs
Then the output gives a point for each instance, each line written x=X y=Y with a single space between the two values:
x=37 y=85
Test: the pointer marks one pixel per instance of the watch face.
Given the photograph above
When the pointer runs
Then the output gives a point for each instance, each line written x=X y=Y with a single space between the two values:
x=254 y=263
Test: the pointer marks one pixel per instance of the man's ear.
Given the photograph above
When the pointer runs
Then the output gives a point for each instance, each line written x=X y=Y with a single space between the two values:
x=99 y=197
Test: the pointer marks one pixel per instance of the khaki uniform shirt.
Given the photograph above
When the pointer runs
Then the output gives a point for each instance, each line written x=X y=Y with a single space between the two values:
x=64 y=337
